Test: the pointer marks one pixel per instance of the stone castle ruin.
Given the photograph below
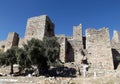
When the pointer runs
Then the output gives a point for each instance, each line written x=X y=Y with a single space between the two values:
x=95 y=49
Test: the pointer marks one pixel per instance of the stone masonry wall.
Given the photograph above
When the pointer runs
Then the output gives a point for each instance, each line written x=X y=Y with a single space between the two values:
x=62 y=41
x=35 y=27
x=96 y=44
x=2 y=45
x=38 y=27
x=77 y=43
x=116 y=36
x=77 y=33
x=12 y=40
x=115 y=43
x=77 y=49
x=21 y=42
x=99 y=49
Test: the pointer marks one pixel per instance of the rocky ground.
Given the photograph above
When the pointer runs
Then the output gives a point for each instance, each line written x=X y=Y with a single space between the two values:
x=52 y=80
x=110 y=77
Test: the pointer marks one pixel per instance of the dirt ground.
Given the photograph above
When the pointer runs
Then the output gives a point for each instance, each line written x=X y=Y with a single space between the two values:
x=52 y=80
x=110 y=78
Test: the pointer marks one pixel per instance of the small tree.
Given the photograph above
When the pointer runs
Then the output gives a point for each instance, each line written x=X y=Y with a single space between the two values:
x=35 y=52
x=52 y=50
x=2 y=59
x=22 y=59
x=10 y=57
x=42 y=53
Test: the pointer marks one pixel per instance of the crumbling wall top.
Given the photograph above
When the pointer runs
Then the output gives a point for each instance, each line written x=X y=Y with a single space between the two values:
x=93 y=30
x=116 y=36
x=38 y=27
x=77 y=32
x=39 y=18
x=2 y=43
x=98 y=36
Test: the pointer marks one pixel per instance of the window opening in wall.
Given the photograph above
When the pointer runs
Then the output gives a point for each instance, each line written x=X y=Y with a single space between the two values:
x=3 y=46
x=84 y=42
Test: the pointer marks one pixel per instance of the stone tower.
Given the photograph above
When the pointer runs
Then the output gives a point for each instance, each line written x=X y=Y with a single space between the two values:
x=99 y=49
x=38 y=27
x=77 y=43
x=12 y=40
x=116 y=37
x=62 y=41
x=115 y=43
x=77 y=33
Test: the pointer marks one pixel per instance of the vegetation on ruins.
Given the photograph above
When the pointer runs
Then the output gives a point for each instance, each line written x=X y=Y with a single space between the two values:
x=118 y=58
x=22 y=59
x=10 y=58
x=42 y=54
x=2 y=58
x=35 y=51
x=52 y=50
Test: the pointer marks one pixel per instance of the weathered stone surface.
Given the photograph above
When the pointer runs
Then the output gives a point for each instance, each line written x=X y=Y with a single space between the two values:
x=12 y=40
x=115 y=43
x=62 y=41
x=99 y=49
x=116 y=36
x=77 y=32
x=75 y=45
x=2 y=45
x=96 y=46
x=21 y=42
x=76 y=51
x=38 y=27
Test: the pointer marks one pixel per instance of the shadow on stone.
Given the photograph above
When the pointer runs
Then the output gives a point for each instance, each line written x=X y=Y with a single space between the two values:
x=70 y=53
x=62 y=72
x=116 y=56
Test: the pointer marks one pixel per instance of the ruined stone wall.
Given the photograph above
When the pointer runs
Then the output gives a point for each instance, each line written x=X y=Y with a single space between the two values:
x=69 y=52
x=99 y=49
x=49 y=27
x=38 y=27
x=116 y=36
x=74 y=52
x=21 y=42
x=35 y=27
x=62 y=41
x=75 y=45
x=69 y=37
x=2 y=45
x=12 y=40
x=115 y=43
x=77 y=33
x=96 y=44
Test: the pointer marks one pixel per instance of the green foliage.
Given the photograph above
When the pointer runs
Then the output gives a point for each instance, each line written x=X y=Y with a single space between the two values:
x=10 y=57
x=40 y=53
x=52 y=49
x=22 y=58
x=43 y=53
x=35 y=51
x=2 y=59
x=118 y=58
